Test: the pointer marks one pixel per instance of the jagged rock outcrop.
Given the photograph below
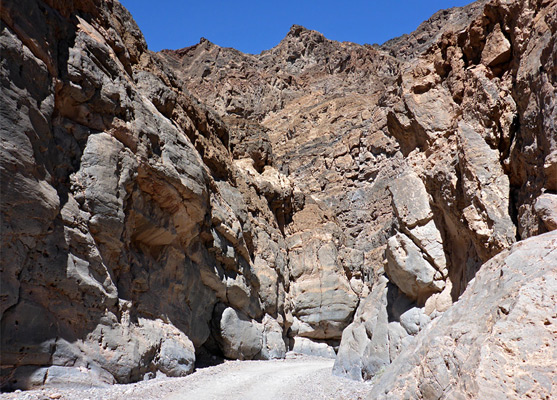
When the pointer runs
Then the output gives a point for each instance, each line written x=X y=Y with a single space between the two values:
x=458 y=117
x=496 y=342
x=325 y=197
x=422 y=163
x=125 y=222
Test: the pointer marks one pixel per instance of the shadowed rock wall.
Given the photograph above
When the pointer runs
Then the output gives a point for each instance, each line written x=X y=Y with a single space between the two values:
x=126 y=225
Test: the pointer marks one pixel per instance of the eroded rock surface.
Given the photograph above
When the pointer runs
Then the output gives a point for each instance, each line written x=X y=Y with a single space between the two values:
x=497 y=341
x=125 y=222
x=325 y=197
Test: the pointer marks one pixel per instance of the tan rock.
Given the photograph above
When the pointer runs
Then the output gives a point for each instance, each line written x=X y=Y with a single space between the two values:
x=130 y=209
x=499 y=324
x=497 y=49
x=410 y=200
x=407 y=268
x=546 y=208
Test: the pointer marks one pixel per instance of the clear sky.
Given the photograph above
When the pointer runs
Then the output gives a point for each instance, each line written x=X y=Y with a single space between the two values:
x=253 y=26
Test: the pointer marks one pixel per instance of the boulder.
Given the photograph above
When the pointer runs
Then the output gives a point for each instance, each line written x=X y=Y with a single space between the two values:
x=408 y=269
x=546 y=208
x=310 y=347
x=176 y=357
x=364 y=348
x=496 y=341
x=274 y=346
x=239 y=337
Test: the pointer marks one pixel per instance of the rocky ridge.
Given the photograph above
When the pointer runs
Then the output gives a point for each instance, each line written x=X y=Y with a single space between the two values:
x=325 y=197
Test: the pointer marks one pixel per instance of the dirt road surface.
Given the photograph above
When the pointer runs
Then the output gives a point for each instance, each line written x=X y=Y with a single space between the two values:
x=295 y=378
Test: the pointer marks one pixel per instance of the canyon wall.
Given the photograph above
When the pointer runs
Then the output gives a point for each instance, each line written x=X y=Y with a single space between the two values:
x=330 y=198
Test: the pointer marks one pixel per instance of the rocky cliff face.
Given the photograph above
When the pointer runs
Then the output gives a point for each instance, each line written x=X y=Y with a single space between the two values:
x=496 y=342
x=129 y=234
x=325 y=197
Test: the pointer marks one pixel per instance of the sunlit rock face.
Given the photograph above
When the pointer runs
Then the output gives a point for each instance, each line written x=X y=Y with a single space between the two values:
x=323 y=197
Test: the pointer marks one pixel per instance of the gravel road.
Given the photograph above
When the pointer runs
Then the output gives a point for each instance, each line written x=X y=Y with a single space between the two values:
x=295 y=378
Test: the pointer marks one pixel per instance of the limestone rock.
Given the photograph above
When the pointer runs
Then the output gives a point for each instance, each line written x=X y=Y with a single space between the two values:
x=384 y=324
x=414 y=320
x=428 y=238
x=501 y=325
x=550 y=170
x=323 y=300
x=349 y=361
x=546 y=208
x=406 y=267
x=111 y=211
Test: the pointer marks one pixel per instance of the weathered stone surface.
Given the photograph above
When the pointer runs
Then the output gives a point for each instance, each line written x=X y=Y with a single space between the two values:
x=111 y=206
x=323 y=300
x=550 y=170
x=496 y=342
x=483 y=171
x=546 y=208
x=414 y=320
x=315 y=176
x=407 y=268
x=313 y=348
x=349 y=359
x=411 y=201
x=274 y=345
x=455 y=19
x=428 y=238
x=245 y=339
x=175 y=358
x=497 y=48
x=239 y=337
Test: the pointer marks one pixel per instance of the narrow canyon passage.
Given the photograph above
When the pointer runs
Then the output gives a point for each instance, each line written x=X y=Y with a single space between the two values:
x=391 y=205
x=302 y=378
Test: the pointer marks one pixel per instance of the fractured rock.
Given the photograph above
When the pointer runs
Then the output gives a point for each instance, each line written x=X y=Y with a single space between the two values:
x=140 y=225
x=406 y=267
x=411 y=201
x=501 y=324
x=497 y=49
x=546 y=208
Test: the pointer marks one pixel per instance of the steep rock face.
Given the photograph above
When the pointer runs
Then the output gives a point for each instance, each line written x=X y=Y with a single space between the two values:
x=301 y=92
x=125 y=222
x=417 y=150
x=325 y=197
x=458 y=118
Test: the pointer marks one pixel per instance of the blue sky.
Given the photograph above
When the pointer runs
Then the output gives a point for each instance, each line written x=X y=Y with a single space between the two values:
x=253 y=26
